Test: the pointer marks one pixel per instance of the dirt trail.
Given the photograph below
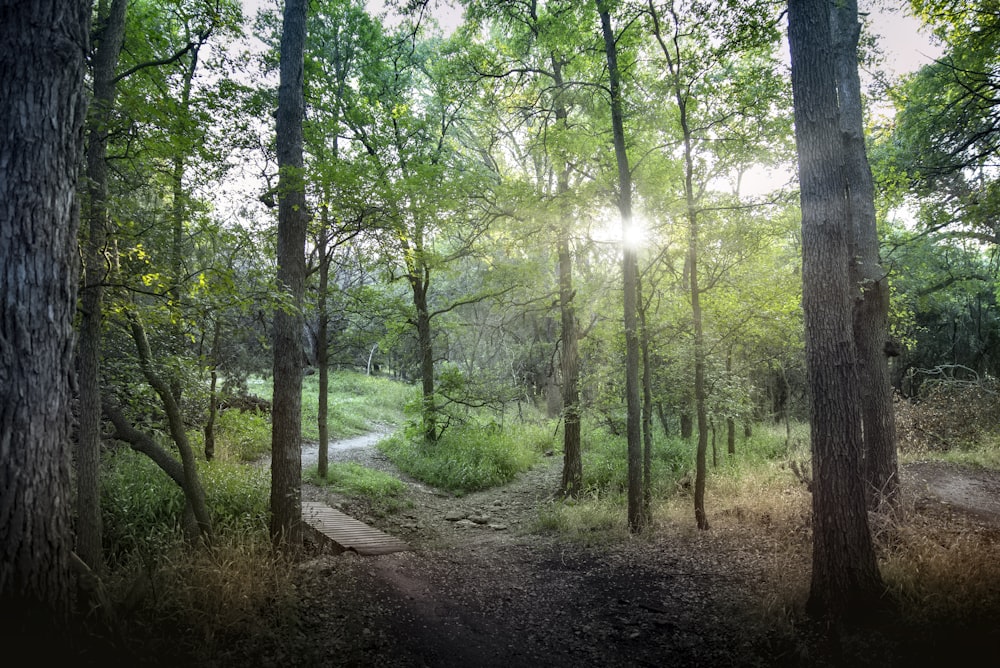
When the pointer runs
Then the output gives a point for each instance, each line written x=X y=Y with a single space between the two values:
x=497 y=592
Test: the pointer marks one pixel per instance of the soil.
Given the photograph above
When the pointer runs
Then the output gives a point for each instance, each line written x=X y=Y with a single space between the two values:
x=493 y=589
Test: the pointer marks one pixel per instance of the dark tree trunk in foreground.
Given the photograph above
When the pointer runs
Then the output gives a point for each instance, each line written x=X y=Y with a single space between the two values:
x=845 y=578
x=630 y=269
x=43 y=45
x=109 y=35
x=871 y=309
x=286 y=412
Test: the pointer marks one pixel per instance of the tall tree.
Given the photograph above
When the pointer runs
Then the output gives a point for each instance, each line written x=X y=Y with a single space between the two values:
x=845 y=577
x=43 y=48
x=286 y=412
x=108 y=38
x=871 y=310
x=630 y=276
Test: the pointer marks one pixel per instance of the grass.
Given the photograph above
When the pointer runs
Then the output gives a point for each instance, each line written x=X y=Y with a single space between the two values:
x=469 y=457
x=381 y=490
x=356 y=402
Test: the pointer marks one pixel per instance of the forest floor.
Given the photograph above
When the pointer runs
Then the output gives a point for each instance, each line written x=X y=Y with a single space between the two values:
x=484 y=586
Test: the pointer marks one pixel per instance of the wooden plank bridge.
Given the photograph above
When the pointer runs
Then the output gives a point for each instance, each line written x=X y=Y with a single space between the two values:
x=348 y=533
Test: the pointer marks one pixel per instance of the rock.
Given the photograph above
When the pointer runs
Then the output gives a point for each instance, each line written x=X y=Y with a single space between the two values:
x=498 y=527
x=480 y=519
x=465 y=523
x=455 y=515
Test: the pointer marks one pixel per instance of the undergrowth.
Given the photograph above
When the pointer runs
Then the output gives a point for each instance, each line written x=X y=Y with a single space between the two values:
x=471 y=456
x=383 y=491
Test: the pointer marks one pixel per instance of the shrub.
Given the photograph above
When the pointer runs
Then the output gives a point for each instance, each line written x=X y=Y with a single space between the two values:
x=605 y=462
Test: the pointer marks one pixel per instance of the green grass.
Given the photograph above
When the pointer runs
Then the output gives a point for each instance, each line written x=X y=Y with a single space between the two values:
x=605 y=463
x=142 y=508
x=382 y=490
x=469 y=457
x=356 y=402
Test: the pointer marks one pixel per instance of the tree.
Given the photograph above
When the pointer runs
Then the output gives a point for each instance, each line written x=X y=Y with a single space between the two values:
x=630 y=278
x=871 y=311
x=43 y=46
x=286 y=412
x=845 y=577
x=108 y=39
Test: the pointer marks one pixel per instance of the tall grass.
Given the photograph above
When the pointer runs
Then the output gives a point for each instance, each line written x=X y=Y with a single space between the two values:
x=143 y=509
x=471 y=456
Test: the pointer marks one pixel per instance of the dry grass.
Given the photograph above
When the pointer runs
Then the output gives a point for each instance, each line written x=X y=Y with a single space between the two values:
x=237 y=589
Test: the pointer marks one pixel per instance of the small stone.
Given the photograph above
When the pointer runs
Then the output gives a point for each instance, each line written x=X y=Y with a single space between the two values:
x=455 y=515
x=480 y=519
x=498 y=527
x=465 y=523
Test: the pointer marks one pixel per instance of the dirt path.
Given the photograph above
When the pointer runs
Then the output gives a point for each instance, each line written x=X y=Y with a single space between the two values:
x=483 y=587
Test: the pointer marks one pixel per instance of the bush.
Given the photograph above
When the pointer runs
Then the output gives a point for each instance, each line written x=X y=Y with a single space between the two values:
x=469 y=457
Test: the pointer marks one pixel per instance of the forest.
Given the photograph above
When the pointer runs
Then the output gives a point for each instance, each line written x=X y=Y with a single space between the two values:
x=662 y=332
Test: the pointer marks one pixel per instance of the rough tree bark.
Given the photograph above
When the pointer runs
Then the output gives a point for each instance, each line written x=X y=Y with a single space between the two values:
x=286 y=412
x=845 y=577
x=871 y=307
x=43 y=49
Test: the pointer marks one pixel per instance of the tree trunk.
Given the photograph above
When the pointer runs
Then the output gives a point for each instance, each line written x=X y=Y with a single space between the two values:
x=322 y=345
x=425 y=347
x=286 y=411
x=193 y=491
x=572 y=474
x=630 y=271
x=845 y=578
x=109 y=36
x=871 y=308
x=43 y=45
x=213 y=393
x=647 y=411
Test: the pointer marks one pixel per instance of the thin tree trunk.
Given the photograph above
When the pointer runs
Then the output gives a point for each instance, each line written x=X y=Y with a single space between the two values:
x=213 y=394
x=572 y=473
x=322 y=347
x=109 y=37
x=647 y=412
x=193 y=491
x=630 y=271
x=845 y=577
x=286 y=413
x=425 y=345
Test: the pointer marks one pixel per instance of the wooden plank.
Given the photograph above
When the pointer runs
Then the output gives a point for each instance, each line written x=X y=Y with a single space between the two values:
x=349 y=533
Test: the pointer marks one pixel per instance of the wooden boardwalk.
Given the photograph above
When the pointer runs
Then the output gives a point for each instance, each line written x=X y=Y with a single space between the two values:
x=347 y=532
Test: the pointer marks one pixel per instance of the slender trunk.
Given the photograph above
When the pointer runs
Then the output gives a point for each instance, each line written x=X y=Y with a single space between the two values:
x=194 y=493
x=630 y=272
x=647 y=412
x=871 y=310
x=730 y=422
x=213 y=394
x=572 y=474
x=89 y=531
x=322 y=348
x=286 y=413
x=178 y=217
